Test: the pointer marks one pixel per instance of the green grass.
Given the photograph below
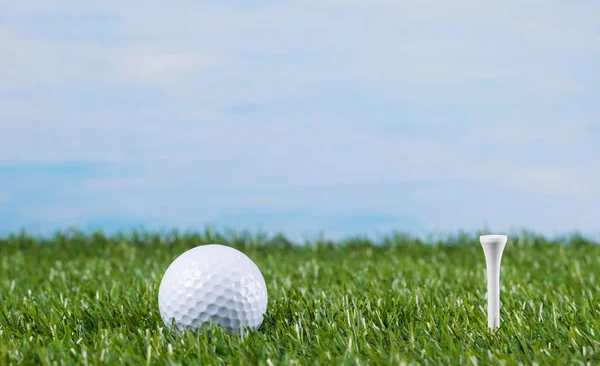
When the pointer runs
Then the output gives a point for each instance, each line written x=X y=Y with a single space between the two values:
x=92 y=299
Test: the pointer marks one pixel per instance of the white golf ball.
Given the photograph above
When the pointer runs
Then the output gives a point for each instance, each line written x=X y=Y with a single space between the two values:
x=212 y=283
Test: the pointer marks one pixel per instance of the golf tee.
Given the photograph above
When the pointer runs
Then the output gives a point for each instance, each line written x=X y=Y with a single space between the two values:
x=493 y=246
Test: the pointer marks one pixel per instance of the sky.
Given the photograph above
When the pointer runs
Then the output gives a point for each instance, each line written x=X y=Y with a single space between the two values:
x=317 y=117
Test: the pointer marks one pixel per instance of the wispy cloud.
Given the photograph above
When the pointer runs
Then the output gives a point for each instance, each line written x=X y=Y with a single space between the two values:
x=152 y=68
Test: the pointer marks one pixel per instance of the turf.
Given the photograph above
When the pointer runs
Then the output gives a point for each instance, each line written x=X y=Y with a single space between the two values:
x=77 y=298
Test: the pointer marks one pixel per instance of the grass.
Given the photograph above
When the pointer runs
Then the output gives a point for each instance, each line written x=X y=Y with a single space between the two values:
x=77 y=298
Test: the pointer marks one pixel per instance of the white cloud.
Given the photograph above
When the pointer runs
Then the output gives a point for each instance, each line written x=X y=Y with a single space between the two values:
x=36 y=64
x=33 y=64
x=152 y=68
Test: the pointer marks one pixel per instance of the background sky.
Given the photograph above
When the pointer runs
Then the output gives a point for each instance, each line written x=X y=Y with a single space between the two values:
x=320 y=116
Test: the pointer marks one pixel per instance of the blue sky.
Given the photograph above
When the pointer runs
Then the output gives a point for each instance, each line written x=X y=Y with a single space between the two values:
x=335 y=117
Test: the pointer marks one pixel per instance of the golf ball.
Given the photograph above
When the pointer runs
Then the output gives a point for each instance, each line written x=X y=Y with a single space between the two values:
x=212 y=284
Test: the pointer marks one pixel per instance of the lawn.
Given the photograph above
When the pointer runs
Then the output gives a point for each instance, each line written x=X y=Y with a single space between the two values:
x=91 y=298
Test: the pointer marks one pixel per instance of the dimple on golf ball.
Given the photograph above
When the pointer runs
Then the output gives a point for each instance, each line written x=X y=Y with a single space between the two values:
x=212 y=284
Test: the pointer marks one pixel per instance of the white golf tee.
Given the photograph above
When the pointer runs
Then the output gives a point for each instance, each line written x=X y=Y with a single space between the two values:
x=493 y=246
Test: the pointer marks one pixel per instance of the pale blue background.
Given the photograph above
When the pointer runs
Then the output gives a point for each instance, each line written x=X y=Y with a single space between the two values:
x=341 y=117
